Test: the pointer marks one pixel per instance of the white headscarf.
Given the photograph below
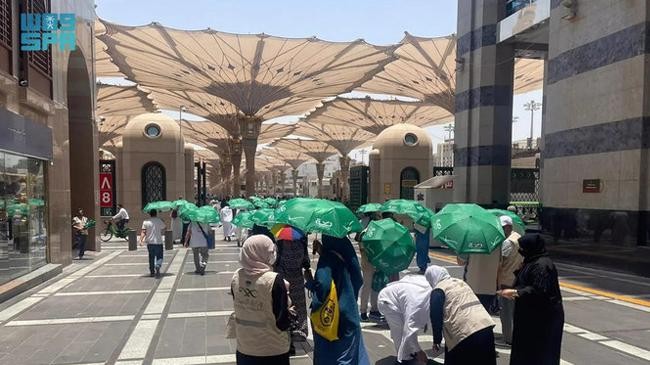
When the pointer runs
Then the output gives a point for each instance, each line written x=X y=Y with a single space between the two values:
x=436 y=274
x=258 y=255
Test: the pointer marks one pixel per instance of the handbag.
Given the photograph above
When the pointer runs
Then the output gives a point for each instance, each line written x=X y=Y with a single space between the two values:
x=208 y=238
x=325 y=320
x=231 y=329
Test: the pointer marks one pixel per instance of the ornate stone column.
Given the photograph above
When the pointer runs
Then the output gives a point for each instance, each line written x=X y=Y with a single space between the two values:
x=235 y=158
x=282 y=177
x=250 y=131
x=320 y=171
x=345 y=177
x=294 y=176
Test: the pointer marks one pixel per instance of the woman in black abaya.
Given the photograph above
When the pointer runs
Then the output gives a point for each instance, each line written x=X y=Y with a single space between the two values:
x=539 y=315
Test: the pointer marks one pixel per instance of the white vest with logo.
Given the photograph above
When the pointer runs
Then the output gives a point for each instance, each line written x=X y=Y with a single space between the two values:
x=257 y=333
x=463 y=313
x=511 y=263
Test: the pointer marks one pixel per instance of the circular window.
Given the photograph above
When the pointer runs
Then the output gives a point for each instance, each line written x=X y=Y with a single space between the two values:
x=410 y=139
x=152 y=130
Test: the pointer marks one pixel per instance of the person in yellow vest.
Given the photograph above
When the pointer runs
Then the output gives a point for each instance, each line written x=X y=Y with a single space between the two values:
x=457 y=314
x=261 y=301
x=511 y=261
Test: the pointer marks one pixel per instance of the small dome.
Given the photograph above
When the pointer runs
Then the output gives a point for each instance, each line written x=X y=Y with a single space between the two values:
x=403 y=135
x=152 y=126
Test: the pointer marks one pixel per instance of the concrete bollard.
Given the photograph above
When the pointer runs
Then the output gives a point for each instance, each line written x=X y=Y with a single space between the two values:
x=213 y=232
x=169 y=240
x=133 y=241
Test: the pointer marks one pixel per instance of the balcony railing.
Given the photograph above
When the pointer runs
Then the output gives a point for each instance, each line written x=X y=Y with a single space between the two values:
x=512 y=6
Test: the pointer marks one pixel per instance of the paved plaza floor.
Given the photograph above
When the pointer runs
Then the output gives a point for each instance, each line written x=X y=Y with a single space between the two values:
x=107 y=310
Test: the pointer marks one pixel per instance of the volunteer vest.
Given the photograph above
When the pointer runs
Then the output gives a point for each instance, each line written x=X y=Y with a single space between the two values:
x=257 y=334
x=463 y=313
x=511 y=263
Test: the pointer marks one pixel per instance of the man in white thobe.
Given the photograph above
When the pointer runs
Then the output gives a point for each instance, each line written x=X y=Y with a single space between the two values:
x=226 y=219
x=405 y=305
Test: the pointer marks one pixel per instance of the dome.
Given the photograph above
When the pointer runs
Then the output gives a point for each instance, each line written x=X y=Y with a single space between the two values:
x=152 y=126
x=403 y=135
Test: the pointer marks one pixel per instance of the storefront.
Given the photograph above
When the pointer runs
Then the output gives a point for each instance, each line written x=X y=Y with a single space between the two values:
x=23 y=200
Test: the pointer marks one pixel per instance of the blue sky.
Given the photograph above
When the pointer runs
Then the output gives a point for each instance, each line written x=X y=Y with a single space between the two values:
x=377 y=21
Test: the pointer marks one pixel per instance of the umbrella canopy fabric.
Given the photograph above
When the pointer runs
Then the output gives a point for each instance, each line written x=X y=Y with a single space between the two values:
x=205 y=214
x=416 y=211
x=263 y=217
x=239 y=203
x=284 y=232
x=160 y=205
x=243 y=219
x=518 y=224
x=388 y=245
x=272 y=202
x=467 y=229
x=369 y=208
x=318 y=215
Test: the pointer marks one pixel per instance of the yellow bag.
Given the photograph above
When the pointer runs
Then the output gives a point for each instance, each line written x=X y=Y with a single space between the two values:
x=325 y=320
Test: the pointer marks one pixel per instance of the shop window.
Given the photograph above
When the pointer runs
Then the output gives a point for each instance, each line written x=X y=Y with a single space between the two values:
x=408 y=179
x=23 y=234
x=153 y=183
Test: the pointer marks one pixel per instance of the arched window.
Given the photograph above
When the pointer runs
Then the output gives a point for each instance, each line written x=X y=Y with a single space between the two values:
x=153 y=183
x=407 y=181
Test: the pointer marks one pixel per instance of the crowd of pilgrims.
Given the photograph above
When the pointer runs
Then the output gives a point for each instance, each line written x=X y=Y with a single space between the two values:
x=270 y=308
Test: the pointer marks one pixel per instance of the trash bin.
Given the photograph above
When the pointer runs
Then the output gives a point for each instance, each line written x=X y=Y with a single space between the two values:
x=169 y=240
x=133 y=241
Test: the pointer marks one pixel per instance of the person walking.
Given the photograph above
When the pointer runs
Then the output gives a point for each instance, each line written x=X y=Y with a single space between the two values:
x=197 y=238
x=511 y=261
x=177 y=224
x=368 y=294
x=405 y=304
x=121 y=218
x=261 y=302
x=80 y=232
x=481 y=275
x=338 y=263
x=457 y=314
x=539 y=313
x=151 y=235
x=226 y=215
x=293 y=259
x=422 y=236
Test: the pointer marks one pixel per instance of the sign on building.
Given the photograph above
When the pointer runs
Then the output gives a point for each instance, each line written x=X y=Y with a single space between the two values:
x=39 y=31
x=107 y=199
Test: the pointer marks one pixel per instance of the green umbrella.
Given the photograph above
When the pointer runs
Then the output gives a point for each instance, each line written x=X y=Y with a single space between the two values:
x=272 y=202
x=318 y=215
x=180 y=202
x=369 y=208
x=205 y=214
x=15 y=209
x=518 y=224
x=261 y=204
x=36 y=202
x=243 y=219
x=388 y=246
x=160 y=205
x=185 y=209
x=240 y=203
x=281 y=202
x=467 y=228
x=264 y=217
x=416 y=211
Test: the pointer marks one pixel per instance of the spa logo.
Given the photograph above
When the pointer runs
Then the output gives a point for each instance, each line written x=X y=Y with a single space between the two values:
x=38 y=31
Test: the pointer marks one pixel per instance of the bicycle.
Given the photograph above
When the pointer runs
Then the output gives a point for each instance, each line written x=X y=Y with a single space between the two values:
x=111 y=230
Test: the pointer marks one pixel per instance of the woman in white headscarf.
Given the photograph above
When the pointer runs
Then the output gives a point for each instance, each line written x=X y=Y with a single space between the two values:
x=457 y=313
x=405 y=305
x=261 y=304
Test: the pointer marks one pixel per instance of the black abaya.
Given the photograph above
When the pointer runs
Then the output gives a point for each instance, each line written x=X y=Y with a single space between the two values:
x=539 y=315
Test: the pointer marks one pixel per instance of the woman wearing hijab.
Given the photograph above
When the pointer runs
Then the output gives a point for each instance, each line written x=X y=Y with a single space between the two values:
x=338 y=262
x=539 y=315
x=457 y=313
x=261 y=306
x=405 y=305
x=293 y=258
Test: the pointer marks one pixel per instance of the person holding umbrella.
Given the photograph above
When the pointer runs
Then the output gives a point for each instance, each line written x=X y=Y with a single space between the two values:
x=457 y=314
x=539 y=314
x=197 y=239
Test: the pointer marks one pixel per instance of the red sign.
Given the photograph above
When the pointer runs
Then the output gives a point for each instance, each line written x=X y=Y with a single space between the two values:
x=106 y=190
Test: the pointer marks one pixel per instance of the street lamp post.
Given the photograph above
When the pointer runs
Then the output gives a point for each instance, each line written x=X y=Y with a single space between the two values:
x=449 y=128
x=532 y=106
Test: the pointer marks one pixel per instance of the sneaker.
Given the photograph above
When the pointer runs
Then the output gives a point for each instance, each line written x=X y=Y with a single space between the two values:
x=151 y=275
x=376 y=316
x=157 y=271
x=202 y=272
x=364 y=317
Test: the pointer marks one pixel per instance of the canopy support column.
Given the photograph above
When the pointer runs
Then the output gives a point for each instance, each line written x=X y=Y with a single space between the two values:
x=282 y=181
x=345 y=177
x=226 y=174
x=250 y=131
x=320 y=172
x=235 y=158
x=294 y=176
